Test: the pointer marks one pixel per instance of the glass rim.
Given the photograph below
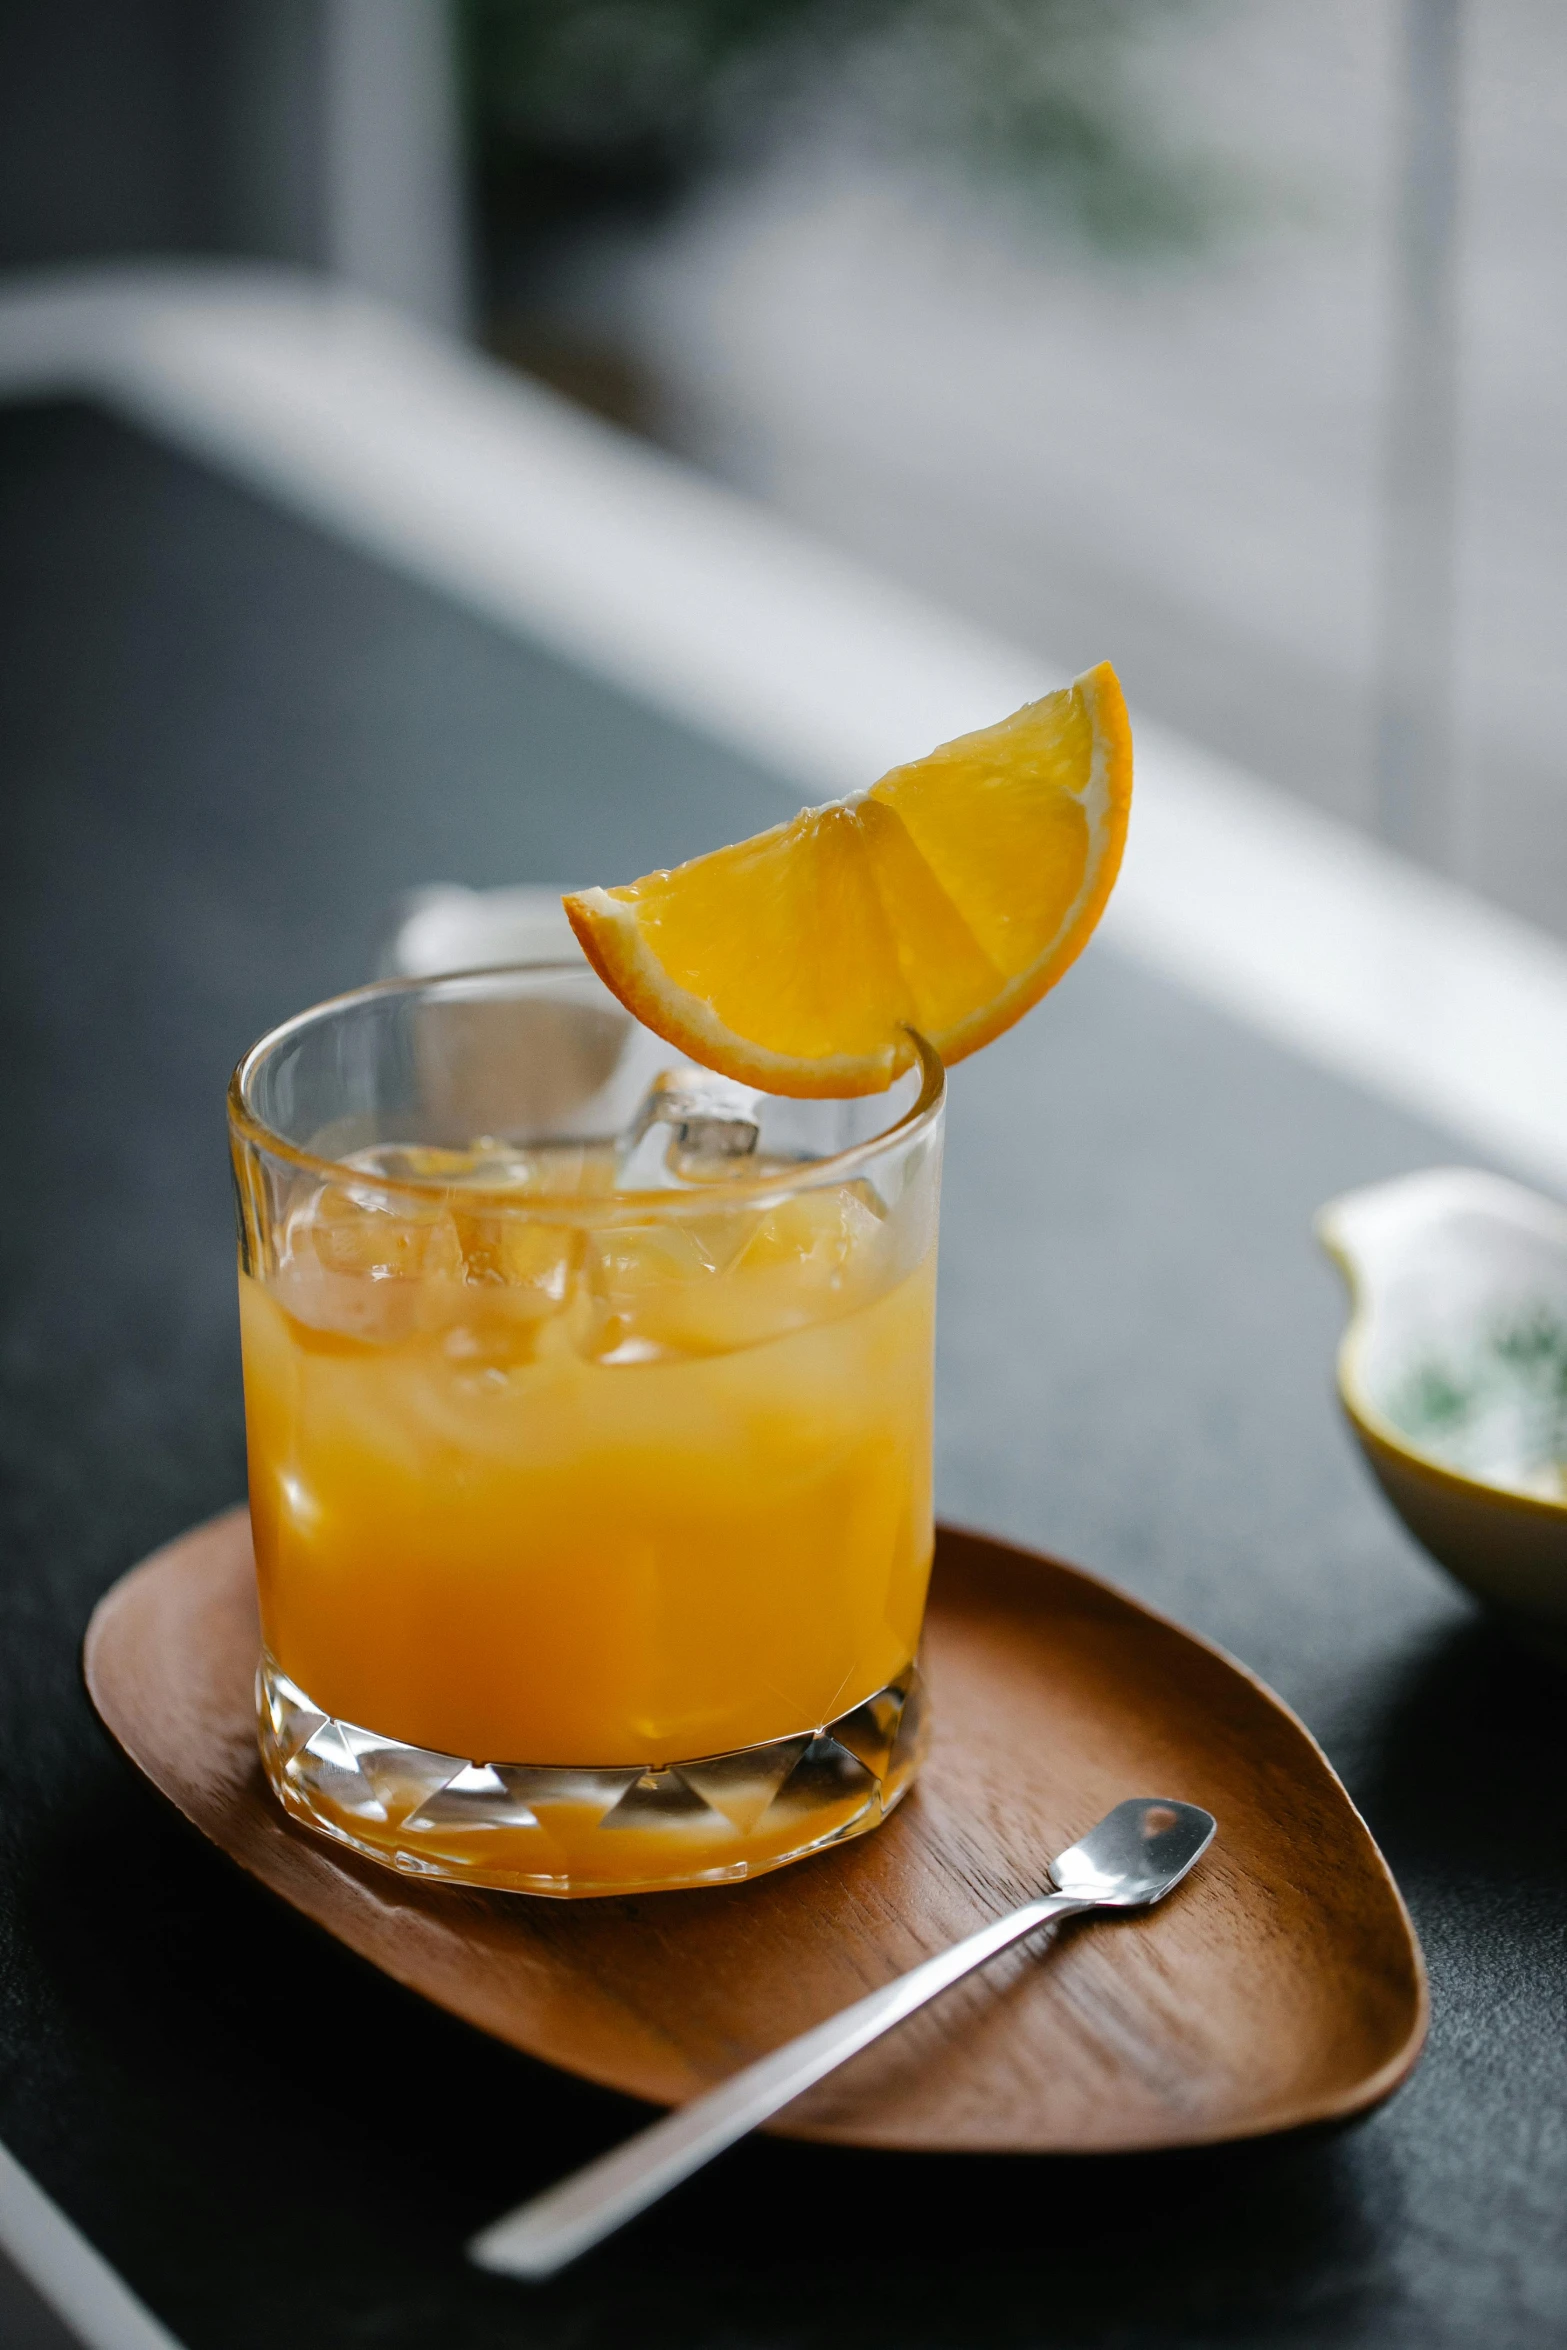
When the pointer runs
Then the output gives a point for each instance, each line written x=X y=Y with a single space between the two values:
x=248 y=1126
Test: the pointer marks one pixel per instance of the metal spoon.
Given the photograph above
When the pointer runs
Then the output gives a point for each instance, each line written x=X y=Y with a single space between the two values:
x=1134 y=1856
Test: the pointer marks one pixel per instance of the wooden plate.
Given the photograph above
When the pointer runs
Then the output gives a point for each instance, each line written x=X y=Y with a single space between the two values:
x=1280 y=1985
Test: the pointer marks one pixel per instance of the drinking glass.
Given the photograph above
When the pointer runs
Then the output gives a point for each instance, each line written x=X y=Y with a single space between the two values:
x=588 y=1405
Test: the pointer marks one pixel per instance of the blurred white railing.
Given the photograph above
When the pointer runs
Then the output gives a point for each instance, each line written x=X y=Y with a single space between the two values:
x=551 y=523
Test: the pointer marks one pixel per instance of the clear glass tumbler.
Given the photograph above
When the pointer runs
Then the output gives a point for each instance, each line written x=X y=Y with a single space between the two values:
x=588 y=1399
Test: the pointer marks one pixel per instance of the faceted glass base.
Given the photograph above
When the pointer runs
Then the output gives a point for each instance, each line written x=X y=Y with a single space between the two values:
x=530 y=1828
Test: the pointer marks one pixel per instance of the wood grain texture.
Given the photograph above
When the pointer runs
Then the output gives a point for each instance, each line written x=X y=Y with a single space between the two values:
x=1281 y=1985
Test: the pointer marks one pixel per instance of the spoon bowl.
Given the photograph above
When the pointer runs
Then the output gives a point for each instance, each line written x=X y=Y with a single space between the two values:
x=1137 y=1854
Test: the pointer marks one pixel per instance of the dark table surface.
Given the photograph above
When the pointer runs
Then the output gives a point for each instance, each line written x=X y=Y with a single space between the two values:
x=226 y=744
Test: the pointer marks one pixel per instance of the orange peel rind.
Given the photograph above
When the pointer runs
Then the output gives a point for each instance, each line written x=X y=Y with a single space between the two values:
x=946 y=898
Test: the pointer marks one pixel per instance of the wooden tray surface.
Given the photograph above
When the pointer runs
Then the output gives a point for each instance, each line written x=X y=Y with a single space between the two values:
x=1280 y=1985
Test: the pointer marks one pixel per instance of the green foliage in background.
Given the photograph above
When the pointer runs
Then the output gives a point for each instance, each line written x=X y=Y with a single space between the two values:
x=588 y=107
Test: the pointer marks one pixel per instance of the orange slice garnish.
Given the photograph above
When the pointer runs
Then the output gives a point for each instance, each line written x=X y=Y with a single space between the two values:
x=946 y=898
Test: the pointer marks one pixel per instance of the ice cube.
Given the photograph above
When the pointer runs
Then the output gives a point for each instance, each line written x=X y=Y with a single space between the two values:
x=810 y=1258
x=571 y=1169
x=692 y=1126
x=818 y=1237
x=487 y=1163
x=712 y=1284
x=368 y=1264
x=646 y=1283
x=533 y=1262
x=355 y=1231
x=518 y=1276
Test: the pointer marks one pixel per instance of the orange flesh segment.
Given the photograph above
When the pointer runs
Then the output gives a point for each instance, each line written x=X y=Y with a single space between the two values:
x=947 y=898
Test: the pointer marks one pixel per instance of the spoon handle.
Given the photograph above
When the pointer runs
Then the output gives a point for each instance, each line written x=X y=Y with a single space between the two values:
x=541 y=2236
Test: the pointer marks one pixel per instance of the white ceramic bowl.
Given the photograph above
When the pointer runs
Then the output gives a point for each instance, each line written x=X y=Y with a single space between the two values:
x=1450 y=1372
x=444 y=927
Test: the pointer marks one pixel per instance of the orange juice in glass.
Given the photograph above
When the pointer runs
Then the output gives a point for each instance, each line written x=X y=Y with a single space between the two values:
x=588 y=1401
